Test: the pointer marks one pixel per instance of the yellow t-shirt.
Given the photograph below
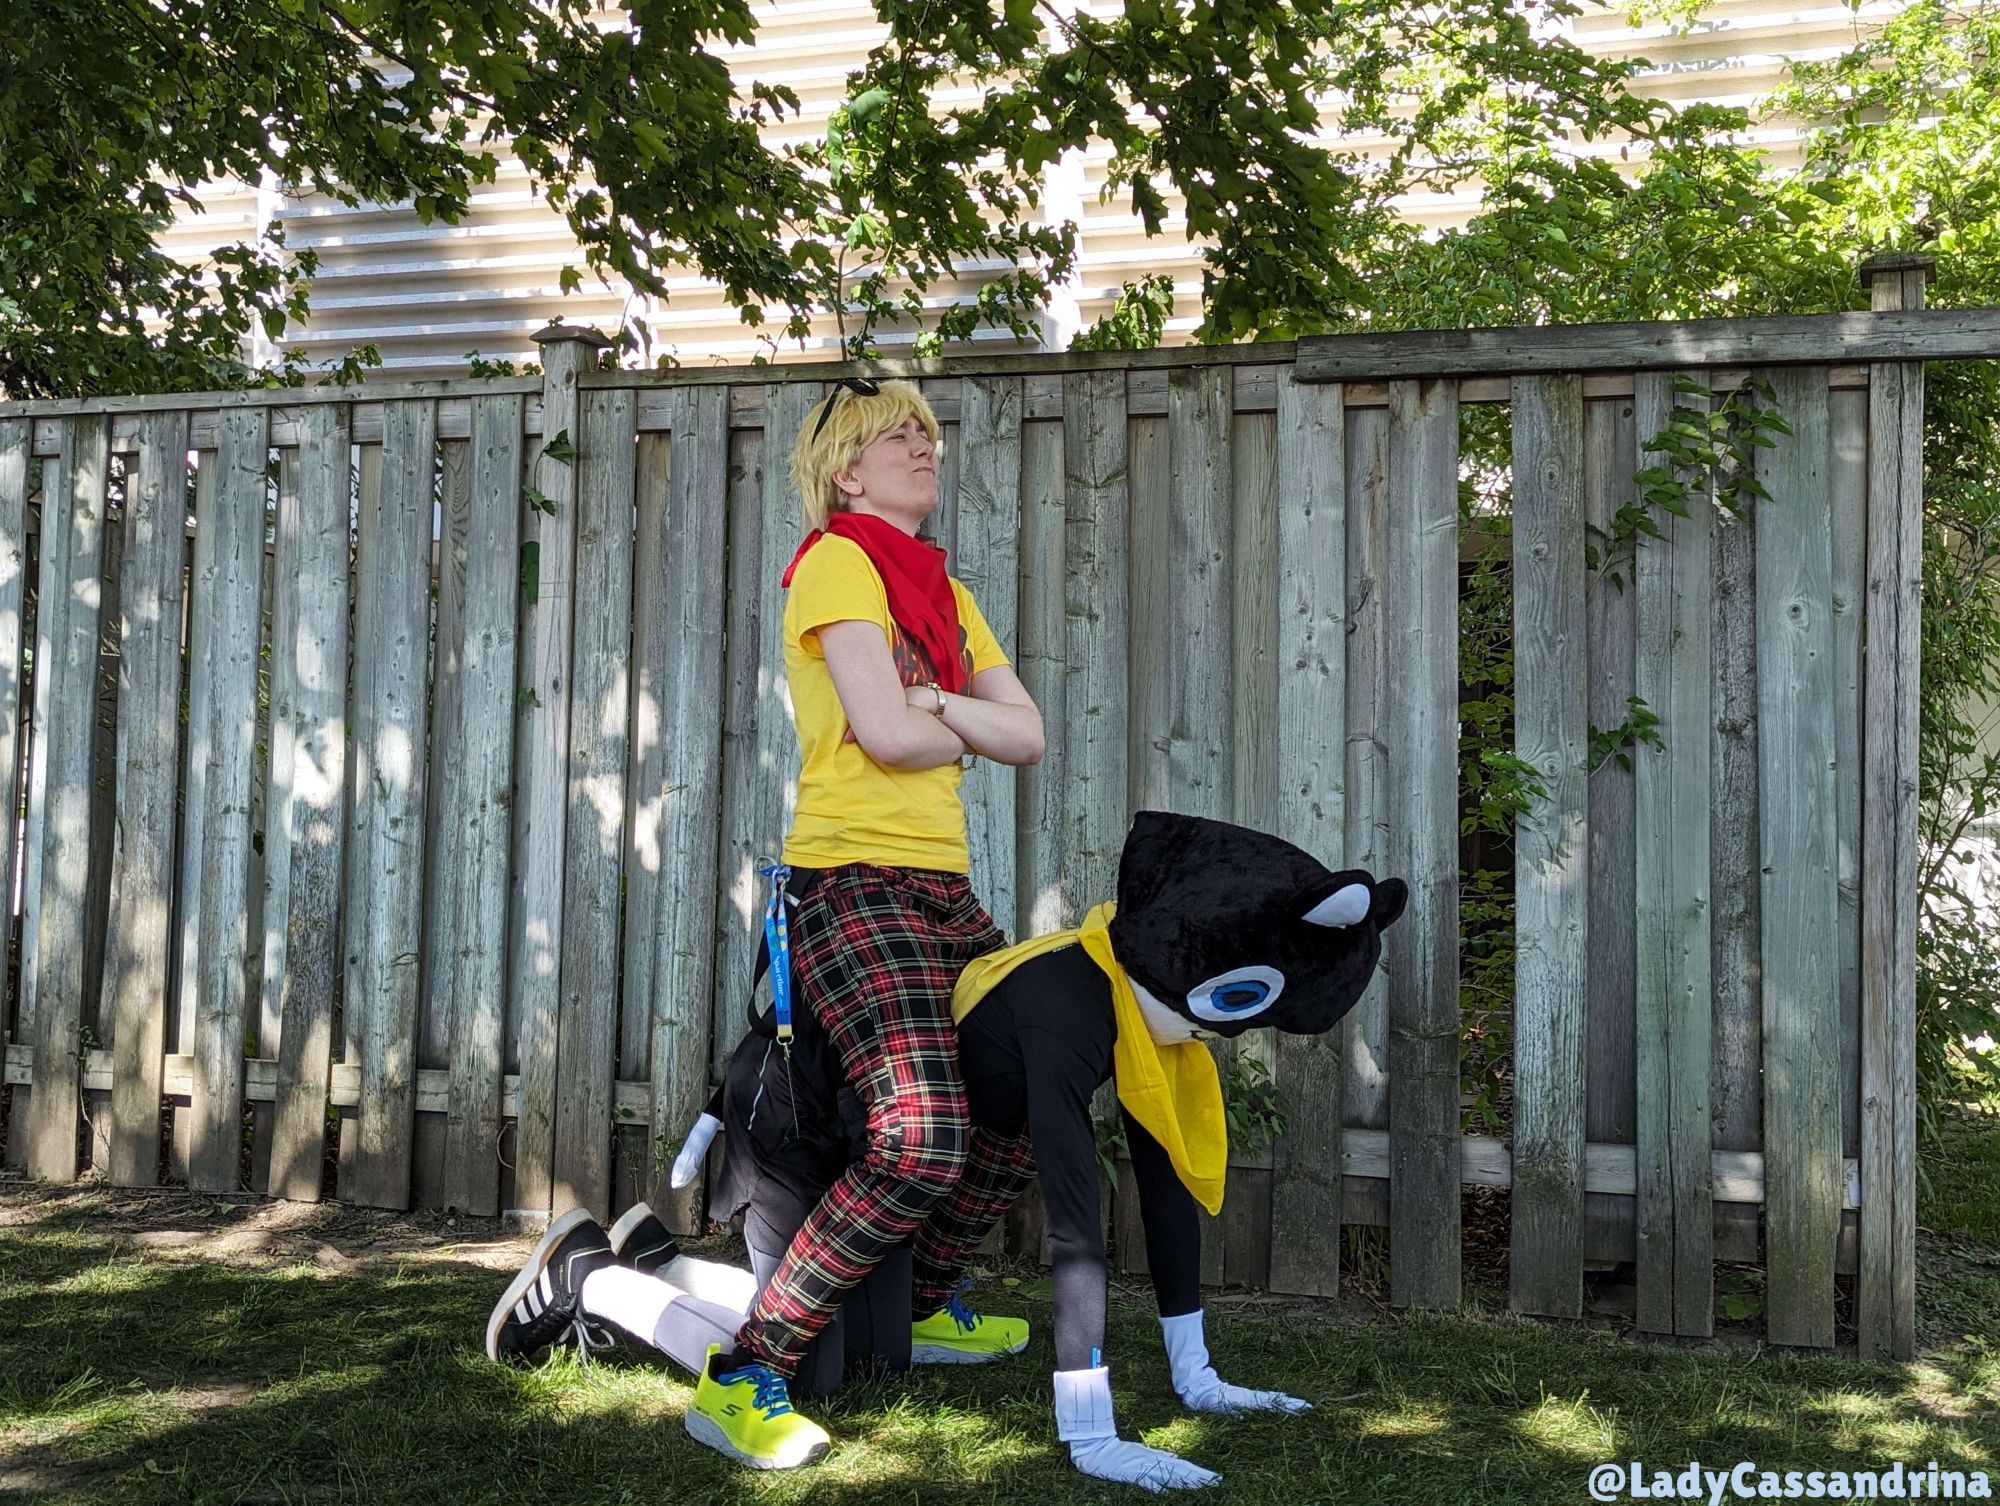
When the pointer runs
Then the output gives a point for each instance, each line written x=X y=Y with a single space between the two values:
x=851 y=809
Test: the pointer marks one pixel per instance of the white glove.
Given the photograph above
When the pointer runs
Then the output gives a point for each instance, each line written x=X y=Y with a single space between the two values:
x=1200 y=1387
x=687 y=1165
x=1084 y=1422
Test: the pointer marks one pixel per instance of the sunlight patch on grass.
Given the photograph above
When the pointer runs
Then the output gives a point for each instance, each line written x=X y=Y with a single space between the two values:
x=1571 y=1428
x=1911 y=1437
x=106 y=1280
x=1410 y=1419
x=1186 y=1434
x=85 y=1420
x=1943 y=1396
x=18 y=1401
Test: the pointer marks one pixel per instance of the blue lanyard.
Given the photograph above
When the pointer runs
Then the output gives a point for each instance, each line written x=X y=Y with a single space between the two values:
x=778 y=946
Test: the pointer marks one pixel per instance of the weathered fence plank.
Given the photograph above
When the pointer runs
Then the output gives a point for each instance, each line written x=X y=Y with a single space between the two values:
x=736 y=870
x=763 y=779
x=587 y=1037
x=1042 y=903
x=541 y=776
x=18 y=470
x=1552 y=877
x=1800 y=896
x=677 y=787
x=1252 y=558
x=148 y=769
x=1200 y=679
x=1611 y=1104
x=1736 y=967
x=305 y=823
x=1106 y=613
x=1364 y=1092
x=227 y=596
x=1663 y=345
x=988 y=563
x=1097 y=705
x=1152 y=614
x=942 y=525
x=1191 y=742
x=434 y=1014
x=1421 y=633
x=1886 y=1305
x=100 y=1019
x=1311 y=779
x=472 y=743
x=1253 y=554
x=66 y=629
x=1847 y=458
x=384 y=914
x=1672 y=675
x=649 y=786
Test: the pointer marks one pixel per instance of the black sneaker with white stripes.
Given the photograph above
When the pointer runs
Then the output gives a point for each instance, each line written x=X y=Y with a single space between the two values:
x=641 y=1241
x=544 y=1304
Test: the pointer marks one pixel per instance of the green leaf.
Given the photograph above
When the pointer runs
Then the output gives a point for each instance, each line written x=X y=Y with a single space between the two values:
x=866 y=105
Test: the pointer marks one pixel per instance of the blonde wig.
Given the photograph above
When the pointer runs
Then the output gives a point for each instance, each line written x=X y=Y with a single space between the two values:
x=857 y=420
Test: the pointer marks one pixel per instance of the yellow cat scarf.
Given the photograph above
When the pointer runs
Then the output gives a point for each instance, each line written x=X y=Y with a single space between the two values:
x=1173 y=1091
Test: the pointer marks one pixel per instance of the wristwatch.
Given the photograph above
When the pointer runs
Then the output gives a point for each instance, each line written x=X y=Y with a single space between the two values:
x=937 y=690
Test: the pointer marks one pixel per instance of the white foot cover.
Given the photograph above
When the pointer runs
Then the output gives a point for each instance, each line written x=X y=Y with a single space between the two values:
x=1085 y=1423
x=1200 y=1387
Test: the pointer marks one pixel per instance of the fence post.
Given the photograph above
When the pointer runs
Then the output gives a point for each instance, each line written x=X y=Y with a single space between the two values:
x=1889 y=900
x=541 y=771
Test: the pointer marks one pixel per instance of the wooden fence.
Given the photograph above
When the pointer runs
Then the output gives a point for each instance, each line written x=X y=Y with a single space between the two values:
x=399 y=812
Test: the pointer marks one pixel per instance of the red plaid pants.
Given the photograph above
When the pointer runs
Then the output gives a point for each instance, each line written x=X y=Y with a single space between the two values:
x=875 y=952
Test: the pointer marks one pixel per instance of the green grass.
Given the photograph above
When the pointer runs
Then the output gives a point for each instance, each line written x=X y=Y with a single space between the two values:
x=137 y=1370
x=1963 y=1173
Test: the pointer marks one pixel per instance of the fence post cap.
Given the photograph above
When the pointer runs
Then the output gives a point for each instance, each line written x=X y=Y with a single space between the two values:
x=552 y=334
x=1897 y=261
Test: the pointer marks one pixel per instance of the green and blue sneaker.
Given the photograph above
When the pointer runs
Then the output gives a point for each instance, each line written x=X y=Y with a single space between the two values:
x=746 y=1414
x=956 y=1335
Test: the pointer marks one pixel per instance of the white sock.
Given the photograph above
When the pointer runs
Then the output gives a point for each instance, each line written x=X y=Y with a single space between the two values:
x=725 y=1285
x=631 y=1299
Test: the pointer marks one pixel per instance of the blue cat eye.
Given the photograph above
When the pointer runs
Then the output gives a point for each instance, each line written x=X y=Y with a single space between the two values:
x=1237 y=994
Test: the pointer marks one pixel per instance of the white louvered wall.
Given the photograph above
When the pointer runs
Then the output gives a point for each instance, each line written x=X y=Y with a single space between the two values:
x=426 y=295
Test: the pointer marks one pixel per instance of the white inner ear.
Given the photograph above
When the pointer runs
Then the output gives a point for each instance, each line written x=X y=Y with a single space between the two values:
x=1343 y=907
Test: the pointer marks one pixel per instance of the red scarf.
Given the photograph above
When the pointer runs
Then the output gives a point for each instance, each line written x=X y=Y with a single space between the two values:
x=913 y=573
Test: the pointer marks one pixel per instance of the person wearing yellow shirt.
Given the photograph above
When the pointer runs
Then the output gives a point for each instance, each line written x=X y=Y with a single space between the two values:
x=895 y=679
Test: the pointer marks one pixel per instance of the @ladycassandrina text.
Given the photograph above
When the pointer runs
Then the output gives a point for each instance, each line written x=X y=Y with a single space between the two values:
x=1929 y=1481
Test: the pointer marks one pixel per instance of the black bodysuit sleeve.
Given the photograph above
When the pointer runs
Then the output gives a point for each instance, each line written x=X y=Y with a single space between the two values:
x=1173 y=1223
x=1059 y=1082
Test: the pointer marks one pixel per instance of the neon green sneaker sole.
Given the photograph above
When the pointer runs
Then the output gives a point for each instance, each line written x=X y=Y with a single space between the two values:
x=942 y=1340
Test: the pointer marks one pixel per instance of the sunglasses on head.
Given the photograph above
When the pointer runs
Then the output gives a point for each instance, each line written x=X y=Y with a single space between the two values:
x=859 y=386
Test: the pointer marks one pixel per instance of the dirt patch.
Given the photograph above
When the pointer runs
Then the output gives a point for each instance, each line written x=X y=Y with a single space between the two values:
x=246 y=1229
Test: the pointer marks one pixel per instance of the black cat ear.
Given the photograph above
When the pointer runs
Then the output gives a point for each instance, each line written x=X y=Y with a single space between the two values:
x=1391 y=895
